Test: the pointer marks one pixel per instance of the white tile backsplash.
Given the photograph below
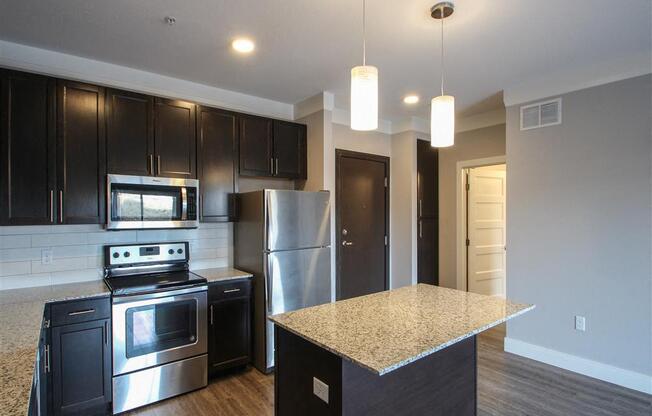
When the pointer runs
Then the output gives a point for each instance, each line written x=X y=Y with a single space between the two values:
x=77 y=250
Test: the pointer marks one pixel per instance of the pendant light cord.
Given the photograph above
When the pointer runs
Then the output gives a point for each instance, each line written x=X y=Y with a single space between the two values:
x=364 y=34
x=442 y=50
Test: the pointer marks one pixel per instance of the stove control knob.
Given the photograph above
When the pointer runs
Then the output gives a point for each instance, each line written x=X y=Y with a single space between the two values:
x=127 y=254
x=180 y=251
x=116 y=255
x=170 y=251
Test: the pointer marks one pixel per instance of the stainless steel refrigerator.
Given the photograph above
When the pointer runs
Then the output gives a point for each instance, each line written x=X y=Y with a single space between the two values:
x=283 y=237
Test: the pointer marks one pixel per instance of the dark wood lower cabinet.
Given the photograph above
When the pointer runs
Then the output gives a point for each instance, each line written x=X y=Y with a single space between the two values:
x=229 y=330
x=81 y=368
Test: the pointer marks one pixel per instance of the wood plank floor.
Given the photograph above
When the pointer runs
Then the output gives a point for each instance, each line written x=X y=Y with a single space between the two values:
x=507 y=385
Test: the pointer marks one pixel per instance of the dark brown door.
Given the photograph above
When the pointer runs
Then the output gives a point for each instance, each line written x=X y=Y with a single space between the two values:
x=175 y=142
x=427 y=214
x=289 y=150
x=362 y=204
x=27 y=148
x=129 y=133
x=80 y=153
x=218 y=132
x=255 y=146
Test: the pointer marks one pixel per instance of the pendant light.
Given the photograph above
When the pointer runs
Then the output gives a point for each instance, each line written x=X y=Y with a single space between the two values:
x=364 y=89
x=442 y=108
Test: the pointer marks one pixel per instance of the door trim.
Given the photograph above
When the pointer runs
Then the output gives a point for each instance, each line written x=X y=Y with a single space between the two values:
x=339 y=154
x=460 y=212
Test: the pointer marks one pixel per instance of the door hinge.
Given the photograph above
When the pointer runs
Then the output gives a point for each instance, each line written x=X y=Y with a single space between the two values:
x=385 y=182
x=468 y=242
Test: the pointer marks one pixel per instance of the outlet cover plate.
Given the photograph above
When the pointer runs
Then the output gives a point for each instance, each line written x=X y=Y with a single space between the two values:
x=580 y=323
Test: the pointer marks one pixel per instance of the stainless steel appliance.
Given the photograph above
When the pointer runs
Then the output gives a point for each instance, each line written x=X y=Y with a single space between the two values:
x=283 y=238
x=159 y=323
x=135 y=202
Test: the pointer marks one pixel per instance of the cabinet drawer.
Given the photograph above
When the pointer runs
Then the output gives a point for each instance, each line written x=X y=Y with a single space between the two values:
x=76 y=311
x=229 y=290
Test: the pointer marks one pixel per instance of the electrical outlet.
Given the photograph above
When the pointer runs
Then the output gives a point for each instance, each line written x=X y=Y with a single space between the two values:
x=46 y=256
x=320 y=389
x=580 y=323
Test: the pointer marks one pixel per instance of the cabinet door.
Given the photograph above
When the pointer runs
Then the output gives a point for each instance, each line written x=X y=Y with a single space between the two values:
x=27 y=181
x=427 y=185
x=81 y=368
x=81 y=158
x=217 y=134
x=289 y=150
x=229 y=342
x=174 y=138
x=129 y=133
x=428 y=251
x=255 y=146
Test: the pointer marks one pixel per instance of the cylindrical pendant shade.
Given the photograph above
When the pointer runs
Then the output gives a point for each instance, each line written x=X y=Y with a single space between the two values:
x=442 y=121
x=364 y=98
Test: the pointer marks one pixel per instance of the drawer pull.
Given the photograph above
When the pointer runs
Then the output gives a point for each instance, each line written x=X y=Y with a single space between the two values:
x=81 y=312
x=231 y=290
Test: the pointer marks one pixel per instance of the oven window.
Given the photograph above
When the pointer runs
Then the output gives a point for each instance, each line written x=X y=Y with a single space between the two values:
x=159 y=327
x=152 y=203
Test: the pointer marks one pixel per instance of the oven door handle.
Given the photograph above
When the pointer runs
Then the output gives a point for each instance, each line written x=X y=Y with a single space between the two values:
x=184 y=203
x=157 y=295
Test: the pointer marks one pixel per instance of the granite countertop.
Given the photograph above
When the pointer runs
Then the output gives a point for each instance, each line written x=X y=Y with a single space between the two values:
x=222 y=274
x=21 y=318
x=387 y=330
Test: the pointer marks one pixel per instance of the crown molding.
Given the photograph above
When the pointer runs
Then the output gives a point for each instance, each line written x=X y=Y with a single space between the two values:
x=47 y=62
x=323 y=101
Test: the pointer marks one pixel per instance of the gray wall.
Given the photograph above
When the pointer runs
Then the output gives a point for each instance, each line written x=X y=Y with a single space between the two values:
x=473 y=144
x=579 y=226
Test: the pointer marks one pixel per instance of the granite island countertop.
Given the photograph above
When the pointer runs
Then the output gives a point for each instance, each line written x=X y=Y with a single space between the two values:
x=21 y=318
x=385 y=331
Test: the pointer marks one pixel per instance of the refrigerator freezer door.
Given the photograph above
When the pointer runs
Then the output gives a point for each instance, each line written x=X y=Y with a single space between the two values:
x=295 y=279
x=297 y=219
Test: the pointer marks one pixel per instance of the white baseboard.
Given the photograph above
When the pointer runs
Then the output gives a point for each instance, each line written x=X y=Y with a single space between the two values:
x=626 y=378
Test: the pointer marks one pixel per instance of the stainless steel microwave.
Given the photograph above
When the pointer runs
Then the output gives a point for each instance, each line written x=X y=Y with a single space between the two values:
x=138 y=202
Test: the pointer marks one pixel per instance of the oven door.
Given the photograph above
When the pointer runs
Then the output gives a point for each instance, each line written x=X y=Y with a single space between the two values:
x=136 y=202
x=158 y=328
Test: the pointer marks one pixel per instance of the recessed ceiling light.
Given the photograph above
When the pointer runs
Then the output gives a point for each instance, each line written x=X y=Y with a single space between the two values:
x=411 y=99
x=243 y=45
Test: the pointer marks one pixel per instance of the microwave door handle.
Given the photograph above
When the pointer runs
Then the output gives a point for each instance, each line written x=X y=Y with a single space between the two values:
x=184 y=204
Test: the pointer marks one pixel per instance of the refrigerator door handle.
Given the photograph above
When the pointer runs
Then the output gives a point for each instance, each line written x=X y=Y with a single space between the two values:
x=268 y=284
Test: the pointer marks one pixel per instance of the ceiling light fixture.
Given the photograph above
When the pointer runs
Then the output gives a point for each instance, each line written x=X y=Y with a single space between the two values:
x=364 y=89
x=411 y=99
x=442 y=108
x=243 y=45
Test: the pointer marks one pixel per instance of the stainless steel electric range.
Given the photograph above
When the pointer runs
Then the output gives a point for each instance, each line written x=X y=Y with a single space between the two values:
x=159 y=323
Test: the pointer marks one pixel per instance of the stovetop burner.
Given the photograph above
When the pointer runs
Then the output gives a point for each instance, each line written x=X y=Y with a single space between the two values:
x=146 y=283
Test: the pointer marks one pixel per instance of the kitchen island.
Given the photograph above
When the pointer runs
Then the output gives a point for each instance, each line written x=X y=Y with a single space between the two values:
x=405 y=351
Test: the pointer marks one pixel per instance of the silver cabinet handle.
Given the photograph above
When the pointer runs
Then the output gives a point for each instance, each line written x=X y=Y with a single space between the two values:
x=61 y=206
x=151 y=164
x=158 y=164
x=85 y=311
x=420 y=208
x=420 y=229
x=276 y=165
x=51 y=205
x=347 y=243
x=106 y=333
x=47 y=358
x=271 y=162
x=211 y=315
x=231 y=290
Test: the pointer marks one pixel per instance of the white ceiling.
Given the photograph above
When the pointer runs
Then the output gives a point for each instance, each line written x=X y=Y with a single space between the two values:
x=305 y=47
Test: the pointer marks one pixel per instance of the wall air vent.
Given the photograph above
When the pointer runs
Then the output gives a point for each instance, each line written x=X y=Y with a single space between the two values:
x=541 y=114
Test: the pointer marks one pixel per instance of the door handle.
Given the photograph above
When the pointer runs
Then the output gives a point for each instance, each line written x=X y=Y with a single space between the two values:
x=47 y=358
x=347 y=243
x=61 y=206
x=51 y=205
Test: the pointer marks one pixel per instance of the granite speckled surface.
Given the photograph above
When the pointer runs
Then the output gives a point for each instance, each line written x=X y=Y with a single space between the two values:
x=21 y=316
x=222 y=274
x=387 y=330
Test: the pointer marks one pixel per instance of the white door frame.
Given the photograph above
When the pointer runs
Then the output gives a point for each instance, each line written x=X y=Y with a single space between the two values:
x=461 y=211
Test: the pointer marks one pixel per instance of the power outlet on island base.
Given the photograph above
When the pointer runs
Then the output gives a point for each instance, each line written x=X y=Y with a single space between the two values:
x=580 y=323
x=320 y=389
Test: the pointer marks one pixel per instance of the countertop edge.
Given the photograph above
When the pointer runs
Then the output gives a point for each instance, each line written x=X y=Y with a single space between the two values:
x=402 y=363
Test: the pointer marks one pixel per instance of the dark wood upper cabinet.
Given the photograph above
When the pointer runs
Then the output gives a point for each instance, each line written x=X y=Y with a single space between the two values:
x=217 y=132
x=27 y=147
x=129 y=133
x=175 y=141
x=81 y=368
x=427 y=214
x=289 y=150
x=255 y=146
x=81 y=158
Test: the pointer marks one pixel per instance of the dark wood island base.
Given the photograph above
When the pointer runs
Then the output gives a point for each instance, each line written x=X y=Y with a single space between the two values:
x=443 y=383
